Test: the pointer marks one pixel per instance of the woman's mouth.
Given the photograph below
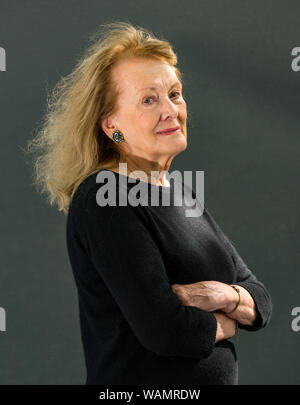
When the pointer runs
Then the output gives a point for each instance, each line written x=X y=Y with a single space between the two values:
x=170 y=131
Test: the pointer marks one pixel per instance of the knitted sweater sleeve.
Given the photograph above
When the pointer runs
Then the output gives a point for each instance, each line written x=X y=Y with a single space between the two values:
x=246 y=278
x=128 y=260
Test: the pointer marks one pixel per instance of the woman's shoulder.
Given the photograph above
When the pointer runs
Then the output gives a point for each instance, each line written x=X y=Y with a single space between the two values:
x=82 y=191
x=92 y=183
x=101 y=195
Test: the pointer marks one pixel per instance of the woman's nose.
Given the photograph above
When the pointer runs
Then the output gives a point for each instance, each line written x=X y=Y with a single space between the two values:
x=169 y=109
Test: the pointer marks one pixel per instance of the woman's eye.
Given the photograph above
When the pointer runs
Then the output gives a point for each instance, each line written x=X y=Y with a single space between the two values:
x=176 y=93
x=148 y=98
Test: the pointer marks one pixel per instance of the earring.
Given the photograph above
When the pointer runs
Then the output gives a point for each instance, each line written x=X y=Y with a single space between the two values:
x=117 y=136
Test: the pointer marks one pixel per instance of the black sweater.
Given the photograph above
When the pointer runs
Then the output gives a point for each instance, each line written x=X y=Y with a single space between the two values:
x=134 y=328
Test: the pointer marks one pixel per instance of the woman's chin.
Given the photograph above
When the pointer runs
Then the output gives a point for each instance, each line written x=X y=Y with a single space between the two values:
x=176 y=145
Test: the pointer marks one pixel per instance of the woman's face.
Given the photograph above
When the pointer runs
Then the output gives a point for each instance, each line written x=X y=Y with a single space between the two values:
x=151 y=100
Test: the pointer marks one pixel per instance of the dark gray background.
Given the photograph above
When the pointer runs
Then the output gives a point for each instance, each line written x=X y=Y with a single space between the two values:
x=243 y=99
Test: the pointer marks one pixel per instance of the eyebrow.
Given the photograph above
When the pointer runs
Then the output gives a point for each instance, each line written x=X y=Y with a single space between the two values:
x=155 y=88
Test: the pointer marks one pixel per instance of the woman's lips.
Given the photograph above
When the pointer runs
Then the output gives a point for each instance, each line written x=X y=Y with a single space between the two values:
x=169 y=132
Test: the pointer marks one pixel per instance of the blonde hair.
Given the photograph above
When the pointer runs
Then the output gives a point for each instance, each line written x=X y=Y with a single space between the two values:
x=70 y=144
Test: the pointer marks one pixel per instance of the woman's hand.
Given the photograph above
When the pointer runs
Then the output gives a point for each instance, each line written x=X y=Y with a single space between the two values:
x=226 y=327
x=207 y=295
x=211 y=296
x=216 y=296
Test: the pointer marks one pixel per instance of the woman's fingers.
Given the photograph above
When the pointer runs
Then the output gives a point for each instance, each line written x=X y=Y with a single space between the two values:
x=209 y=296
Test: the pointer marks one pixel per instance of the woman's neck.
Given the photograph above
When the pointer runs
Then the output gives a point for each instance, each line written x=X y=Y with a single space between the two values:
x=156 y=180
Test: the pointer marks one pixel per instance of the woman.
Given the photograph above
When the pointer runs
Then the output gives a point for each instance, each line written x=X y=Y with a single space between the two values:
x=160 y=293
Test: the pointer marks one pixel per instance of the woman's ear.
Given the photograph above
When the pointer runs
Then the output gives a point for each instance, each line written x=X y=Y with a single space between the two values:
x=107 y=126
